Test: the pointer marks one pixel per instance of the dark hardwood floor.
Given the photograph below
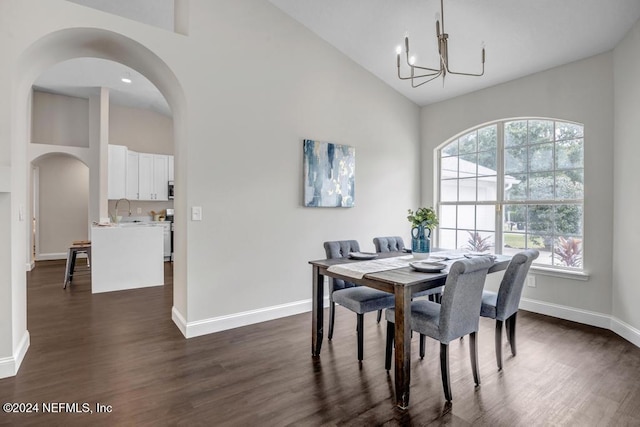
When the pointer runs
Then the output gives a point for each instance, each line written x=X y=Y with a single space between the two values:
x=122 y=349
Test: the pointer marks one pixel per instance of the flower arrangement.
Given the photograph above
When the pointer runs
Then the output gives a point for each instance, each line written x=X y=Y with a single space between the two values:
x=423 y=216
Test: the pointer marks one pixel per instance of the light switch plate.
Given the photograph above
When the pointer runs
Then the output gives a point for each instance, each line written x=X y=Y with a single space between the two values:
x=196 y=213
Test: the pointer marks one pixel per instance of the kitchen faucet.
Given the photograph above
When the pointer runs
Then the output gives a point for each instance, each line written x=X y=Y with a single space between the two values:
x=128 y=202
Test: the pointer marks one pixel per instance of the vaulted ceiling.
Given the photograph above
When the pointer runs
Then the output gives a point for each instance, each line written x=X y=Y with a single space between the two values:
x=521 y=37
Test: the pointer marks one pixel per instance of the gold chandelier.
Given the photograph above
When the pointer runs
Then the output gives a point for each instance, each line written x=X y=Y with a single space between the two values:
x=417 y=74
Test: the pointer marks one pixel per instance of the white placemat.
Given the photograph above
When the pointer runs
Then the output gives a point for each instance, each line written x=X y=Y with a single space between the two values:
x=358 y=269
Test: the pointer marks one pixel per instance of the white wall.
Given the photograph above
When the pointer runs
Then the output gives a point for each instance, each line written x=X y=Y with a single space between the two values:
x=245 y=155
x=581 y=92
x=63 y=196
x=140 y=130
x=60 y=120
x=626 y=289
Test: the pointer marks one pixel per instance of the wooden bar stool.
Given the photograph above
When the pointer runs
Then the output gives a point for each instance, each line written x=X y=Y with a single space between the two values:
x=77 y=246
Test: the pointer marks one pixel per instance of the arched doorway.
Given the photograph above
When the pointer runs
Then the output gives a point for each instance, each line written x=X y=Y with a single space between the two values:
x=47 y=51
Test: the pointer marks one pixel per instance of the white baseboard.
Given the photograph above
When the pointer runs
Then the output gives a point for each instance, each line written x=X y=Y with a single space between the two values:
x=51 y=256
x=586 y=317
x=236 y=320
x=9 y=365
x=626 y=331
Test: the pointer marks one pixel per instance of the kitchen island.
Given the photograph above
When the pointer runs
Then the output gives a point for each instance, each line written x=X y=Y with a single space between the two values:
x=126 y=256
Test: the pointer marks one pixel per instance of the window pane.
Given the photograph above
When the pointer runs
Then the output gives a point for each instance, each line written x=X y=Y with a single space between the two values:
x=568 y=220
x=469 y=143
x=567 y=252
x=541 y=186
x=515 y=187
x=447 y=239
x=487 y=163
x=515 y=218
x=479 y=241
x=450 y=149
x=488 y=189
x=540 y=219
x=485 y=217
x=515 y=160
x=466 y=216
x=449 y=167
x=568 y=131
x=467 y=191
x=541 y=157
x=569 y=154
x=449 y=190
x=488 y=138
x=540 y=131
x=569 y=184
x=468 y=165
x=462 y=238
x=515 y=133
x=447 y=216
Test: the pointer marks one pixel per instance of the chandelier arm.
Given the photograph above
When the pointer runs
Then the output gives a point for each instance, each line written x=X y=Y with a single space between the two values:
x=418 y=67
x=413 y=85
x=466 y=74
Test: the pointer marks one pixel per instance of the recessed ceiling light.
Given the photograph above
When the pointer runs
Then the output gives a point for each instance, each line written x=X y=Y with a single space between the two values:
x=126 y=80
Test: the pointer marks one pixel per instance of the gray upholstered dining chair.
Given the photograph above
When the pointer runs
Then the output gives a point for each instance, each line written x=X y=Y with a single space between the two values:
x=457 y=315
x=388 y=244
x=503 y=305
x=359 y=299
x=396 y=244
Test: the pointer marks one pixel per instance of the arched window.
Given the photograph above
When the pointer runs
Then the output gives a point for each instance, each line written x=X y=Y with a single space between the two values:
x=515 y=184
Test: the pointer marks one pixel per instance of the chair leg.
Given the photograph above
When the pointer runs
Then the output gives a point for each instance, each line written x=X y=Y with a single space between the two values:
x=391 y=331
x=379 y=315
x=422 y=340
x=511 y=322
x=332 y=317
x=499 y=343
x=473 y=352
x=360 y=335
x=444 y=370
x=66 y=270
x=74 y=254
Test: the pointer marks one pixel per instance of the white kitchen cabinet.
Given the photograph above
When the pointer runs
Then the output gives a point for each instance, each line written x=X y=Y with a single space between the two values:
x=117 y=172
x=138 y=176
x=161 y=177
x=132 y=176
x=171 y=173
x=153 y=176
x=145 y=176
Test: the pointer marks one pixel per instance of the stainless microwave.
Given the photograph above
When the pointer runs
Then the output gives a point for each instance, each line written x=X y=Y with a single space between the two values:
x=170 y=192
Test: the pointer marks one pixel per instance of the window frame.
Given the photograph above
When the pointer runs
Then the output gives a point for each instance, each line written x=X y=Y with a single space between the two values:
x=500 y=202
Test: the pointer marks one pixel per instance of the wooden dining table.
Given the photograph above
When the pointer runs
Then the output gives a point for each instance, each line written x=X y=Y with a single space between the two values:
x=402 y=283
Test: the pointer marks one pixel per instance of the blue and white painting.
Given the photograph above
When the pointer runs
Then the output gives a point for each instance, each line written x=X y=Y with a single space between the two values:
x=329 y=174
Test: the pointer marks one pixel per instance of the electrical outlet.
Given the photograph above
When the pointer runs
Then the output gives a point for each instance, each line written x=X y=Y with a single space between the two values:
x=139 y=211
x=531 y=281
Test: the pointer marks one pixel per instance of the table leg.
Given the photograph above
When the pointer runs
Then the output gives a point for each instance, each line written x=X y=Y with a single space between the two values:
x=402 y=345
x=317 y=312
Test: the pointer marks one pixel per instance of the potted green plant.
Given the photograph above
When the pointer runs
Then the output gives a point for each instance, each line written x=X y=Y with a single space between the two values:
x=423 y=221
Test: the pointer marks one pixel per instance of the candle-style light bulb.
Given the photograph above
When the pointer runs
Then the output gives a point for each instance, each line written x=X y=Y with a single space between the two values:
x=398 y=50
x=412 y=60
x=437 y=16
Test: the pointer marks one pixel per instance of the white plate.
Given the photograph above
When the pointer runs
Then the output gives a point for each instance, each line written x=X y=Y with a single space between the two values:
x=427 y=267
x=362 y=255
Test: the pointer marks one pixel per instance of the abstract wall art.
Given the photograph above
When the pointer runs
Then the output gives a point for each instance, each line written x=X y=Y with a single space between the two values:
x=329 y=174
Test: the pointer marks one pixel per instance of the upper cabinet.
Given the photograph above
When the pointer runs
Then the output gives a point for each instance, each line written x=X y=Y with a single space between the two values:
x=117 y=170
x=132 y=192
x=138 y=176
